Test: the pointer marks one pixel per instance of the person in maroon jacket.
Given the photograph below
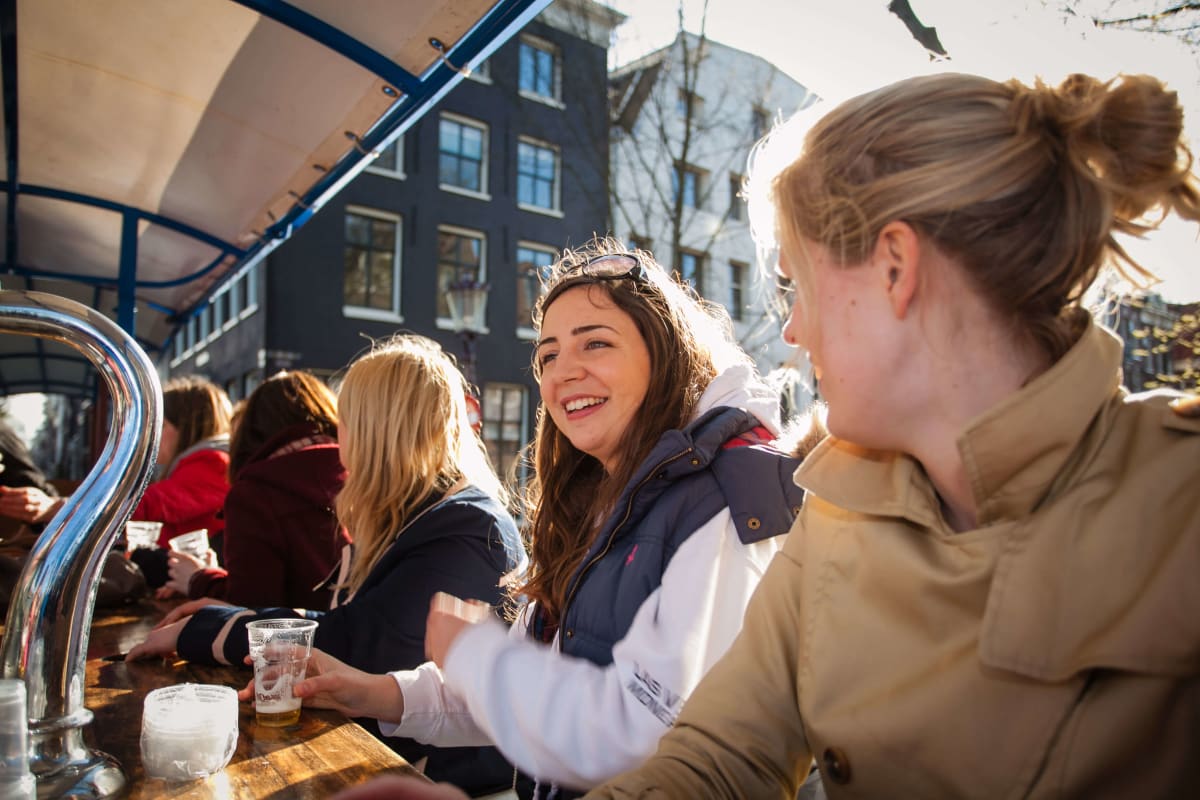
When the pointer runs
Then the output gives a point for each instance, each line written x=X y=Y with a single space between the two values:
x=282 y=537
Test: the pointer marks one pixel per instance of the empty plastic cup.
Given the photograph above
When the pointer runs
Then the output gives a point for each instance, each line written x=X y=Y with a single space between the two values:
x=188 y=731
x=16 y=781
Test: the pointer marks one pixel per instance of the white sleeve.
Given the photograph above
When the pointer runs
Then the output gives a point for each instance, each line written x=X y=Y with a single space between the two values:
x=571 y=722
x=433 y=713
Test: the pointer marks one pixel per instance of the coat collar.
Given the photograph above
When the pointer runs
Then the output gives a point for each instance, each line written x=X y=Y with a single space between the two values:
x=1012 y=452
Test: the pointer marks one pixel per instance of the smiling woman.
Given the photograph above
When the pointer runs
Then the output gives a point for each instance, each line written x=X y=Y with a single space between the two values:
x=657 y=503
x=594 y=370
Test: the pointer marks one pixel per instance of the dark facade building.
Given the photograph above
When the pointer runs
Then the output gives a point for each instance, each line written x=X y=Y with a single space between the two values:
x=1162 y=343
x=511 y=166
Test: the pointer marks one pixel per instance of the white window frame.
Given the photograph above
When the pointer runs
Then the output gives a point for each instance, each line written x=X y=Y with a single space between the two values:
x=554 y=99
x=526 y=331
x=250 y=276
x=555 y=210
x=523 y=391
x=482 y=73
x=698 y=281
x=397 y=146
x=218 y=315
x=380 y=315
x=681 y=171
x=739 y=274
x=738 y=211
x=458 y=119
x=446 y=323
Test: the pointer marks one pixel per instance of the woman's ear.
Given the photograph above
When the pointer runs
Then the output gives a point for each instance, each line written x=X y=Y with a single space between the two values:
x=897 y=257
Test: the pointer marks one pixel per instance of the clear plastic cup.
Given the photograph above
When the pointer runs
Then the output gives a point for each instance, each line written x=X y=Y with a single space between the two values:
x=194 y=543
x=139 y=534
x=189 y=731
x=16 y=781
x=280 y=649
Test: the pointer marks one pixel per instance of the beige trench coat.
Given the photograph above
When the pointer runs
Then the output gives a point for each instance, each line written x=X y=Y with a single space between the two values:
x=1052 y=652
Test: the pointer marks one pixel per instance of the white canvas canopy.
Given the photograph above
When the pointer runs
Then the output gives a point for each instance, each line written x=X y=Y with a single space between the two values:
x=152 y=149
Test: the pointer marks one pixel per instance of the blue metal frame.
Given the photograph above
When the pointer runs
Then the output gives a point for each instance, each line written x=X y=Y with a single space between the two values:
x=418 y=95
x=334 y=39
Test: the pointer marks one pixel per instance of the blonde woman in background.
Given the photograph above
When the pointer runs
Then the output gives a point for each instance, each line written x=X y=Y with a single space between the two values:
x=427 y=514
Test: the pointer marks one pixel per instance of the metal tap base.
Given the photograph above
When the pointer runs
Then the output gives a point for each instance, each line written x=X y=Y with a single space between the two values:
x=97 y=776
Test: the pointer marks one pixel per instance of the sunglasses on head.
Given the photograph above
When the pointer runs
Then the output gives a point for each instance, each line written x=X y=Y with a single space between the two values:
x=616 y=266
x=613 y=267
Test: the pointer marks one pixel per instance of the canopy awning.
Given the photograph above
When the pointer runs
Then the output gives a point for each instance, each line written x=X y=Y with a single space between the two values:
x=152 y=149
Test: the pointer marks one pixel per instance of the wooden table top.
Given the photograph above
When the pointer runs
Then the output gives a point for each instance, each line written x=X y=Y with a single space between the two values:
x=324 y=753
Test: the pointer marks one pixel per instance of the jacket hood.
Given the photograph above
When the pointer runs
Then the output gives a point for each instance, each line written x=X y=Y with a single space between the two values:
x=299 y=462
x=740 y=386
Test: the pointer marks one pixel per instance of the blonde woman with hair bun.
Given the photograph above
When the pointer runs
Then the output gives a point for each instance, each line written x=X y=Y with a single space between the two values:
x=427 y=514
x=991 y=590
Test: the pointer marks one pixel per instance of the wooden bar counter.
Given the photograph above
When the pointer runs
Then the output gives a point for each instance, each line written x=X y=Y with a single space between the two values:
x=324 y=753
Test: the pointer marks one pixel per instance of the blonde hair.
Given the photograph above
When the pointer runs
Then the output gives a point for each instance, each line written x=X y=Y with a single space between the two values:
x=405 y=439
x=1024 y=186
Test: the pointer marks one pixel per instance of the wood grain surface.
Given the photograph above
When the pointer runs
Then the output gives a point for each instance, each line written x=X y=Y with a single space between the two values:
x=324 y=753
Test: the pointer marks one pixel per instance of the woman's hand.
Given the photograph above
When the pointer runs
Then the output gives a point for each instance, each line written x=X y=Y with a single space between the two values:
x=352 y=692
x=448 y=617
x=159 y=642
x=187 y=609
x=181 y=567
x=28 y=504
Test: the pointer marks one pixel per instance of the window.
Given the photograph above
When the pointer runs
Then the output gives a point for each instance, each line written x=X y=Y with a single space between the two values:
x=205 y=325
x=390 y=160
x=462 y=155
x=690 y=266
x=737 y=205
x=504 y=425
x=371 y=264
x=234 y=299
x=687 y=180
x=482 y=73
x=537 y=175
x=533 y=265
x=246 y=285
x=220 y=309
x=538 y=69
x=460 y=258
x=180 y=344
x=737 y=290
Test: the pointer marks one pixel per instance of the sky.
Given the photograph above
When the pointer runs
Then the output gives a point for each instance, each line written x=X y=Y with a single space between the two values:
x=839 y=48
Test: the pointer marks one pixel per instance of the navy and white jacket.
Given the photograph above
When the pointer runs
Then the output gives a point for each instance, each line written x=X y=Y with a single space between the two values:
x=659 y=598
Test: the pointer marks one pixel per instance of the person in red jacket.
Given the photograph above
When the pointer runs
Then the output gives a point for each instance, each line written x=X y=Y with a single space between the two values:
x=282 y=537
x=193 y=454
x=194 y=450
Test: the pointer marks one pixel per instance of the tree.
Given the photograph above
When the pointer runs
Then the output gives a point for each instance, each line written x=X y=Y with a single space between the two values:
x=684 y=120
x=1159 y=17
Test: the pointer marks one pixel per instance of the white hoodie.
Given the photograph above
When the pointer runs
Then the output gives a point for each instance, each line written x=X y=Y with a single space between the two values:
x=566 y=720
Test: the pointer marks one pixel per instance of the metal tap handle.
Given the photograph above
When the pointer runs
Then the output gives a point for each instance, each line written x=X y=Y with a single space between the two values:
x=50 y=614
